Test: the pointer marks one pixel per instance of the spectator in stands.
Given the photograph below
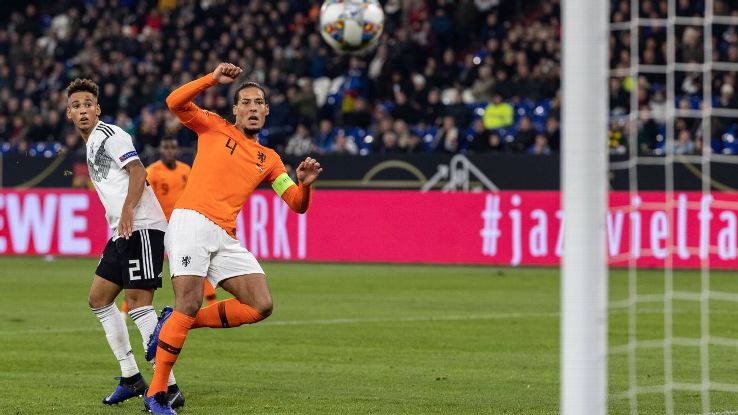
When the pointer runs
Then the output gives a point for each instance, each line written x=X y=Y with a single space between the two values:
x=524 y=136
x=359 y=116
x=390 y=143
x=553 y=134
x=304 y=101
x=727 y=97
x=343 y=145
x=684 y=143
x=404 y=110
x=460 y=112
x=498 y=114
x=39 y=132
x=481 y=88
x=412 y=144
x=480 y=140
x=689 y=49
x=430 y=113
x=540 y=146
x=648 y=133
x=447 y=139
x=619 y=99
x=300 y=143
x=326 y=135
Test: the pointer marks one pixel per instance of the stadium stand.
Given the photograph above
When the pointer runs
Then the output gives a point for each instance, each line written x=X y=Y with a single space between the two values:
x=139 y=50
x=479 y=59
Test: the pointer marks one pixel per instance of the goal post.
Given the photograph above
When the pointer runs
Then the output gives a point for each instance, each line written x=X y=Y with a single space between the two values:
x=584 y=299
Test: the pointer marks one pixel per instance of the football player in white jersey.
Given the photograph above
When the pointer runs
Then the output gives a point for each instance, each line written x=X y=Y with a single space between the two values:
x=132 y=259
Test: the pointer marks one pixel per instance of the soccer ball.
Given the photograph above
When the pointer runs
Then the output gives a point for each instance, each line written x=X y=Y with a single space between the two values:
x=352 y=26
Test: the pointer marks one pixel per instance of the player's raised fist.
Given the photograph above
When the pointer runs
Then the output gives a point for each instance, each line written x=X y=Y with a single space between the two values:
x=225 y=73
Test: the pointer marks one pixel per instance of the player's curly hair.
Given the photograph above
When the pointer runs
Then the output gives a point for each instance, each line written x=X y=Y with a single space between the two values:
x=248 y=84
x=82 y=85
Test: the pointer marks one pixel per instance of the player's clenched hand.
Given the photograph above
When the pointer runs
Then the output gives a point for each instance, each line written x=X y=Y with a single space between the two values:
x=125 y=224
x=308 y=171
x=225 y=73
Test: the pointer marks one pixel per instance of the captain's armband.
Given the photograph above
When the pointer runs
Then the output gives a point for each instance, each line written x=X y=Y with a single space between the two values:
x=282 y=183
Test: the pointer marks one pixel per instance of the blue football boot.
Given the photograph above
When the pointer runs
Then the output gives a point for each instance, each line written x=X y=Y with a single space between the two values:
x=127 y=388
x=158 y=404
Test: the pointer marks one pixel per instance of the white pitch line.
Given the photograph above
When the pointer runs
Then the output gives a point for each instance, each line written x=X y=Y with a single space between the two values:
x=492 y=316
x=468 y=317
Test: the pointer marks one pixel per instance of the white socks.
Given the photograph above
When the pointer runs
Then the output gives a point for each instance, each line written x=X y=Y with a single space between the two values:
x=117 y=335
x=146 y=320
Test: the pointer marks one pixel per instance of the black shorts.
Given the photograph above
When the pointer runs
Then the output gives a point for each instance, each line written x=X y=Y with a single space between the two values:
x=134 y=262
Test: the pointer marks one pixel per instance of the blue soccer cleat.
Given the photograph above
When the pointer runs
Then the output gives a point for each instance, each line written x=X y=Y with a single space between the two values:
x=154 y=340
x=158 y=404
x=127 y=388
x=175 y=397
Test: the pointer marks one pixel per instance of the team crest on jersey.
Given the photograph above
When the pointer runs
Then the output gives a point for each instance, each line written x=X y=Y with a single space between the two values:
x=186 y=260
x=262 y=158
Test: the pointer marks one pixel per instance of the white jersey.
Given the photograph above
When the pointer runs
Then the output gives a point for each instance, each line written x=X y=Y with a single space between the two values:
x=109 y=150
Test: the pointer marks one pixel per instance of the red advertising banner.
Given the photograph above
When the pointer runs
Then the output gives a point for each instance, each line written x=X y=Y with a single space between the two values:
x=505 y=228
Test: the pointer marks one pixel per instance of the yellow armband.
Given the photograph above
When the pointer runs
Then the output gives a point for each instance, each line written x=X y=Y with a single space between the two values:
x=282 y=183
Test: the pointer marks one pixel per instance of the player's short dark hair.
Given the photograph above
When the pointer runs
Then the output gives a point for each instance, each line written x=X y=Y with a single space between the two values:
x=82 y=85
x=248 y=84
x=168 y=137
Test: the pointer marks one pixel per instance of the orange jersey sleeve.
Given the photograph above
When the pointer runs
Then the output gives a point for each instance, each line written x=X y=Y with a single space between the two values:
x=192 y=116
x=297 y=196
x=168 y=184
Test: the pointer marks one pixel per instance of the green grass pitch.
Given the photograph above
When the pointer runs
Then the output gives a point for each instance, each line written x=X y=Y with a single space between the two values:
x=350 y=339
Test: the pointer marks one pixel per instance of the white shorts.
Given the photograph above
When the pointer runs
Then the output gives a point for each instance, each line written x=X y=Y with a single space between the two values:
x=199 y=247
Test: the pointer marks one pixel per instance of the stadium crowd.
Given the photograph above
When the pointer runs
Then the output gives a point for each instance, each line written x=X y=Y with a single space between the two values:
x=651 y=86
x=447 y=76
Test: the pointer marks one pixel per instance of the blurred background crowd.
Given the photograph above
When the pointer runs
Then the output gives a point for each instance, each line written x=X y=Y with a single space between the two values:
x=689 y=100
x=469 y=76
x=447 y=76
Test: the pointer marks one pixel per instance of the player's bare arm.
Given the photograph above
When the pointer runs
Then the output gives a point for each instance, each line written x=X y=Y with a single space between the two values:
x=136 y=183
x=308 y=171
x=225 y=73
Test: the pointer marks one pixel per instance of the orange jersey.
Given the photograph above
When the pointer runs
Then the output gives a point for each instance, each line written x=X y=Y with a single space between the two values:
x=228 y=166
x=168 y=184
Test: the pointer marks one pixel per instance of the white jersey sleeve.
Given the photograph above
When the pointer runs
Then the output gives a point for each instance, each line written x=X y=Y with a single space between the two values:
x=120 y=147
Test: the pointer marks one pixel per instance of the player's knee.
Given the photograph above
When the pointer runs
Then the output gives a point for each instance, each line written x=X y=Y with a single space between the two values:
x=96 y=301
x=263 y=306
x=188 y=306
x=139 y=298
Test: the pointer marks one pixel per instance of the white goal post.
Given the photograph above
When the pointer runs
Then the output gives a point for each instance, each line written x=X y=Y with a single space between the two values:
x=584 y=300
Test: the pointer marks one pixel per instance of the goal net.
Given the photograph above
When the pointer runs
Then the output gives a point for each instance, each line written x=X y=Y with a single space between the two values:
x=673 y=300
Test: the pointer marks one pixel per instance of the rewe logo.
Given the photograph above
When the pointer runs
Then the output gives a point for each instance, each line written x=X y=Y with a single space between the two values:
x=30 y=221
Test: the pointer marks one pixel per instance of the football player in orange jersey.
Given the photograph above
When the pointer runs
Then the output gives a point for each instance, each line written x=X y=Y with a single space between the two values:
x=201 y=237
x=168 y=177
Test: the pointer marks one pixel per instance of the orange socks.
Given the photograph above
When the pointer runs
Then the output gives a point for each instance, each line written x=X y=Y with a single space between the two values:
x=124 y=307
x=224 y=314
x=171 y=339
x=208 y=292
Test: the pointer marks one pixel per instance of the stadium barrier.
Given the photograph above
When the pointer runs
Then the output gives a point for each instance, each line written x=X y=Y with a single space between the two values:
x=416 y=171
x=503 y=228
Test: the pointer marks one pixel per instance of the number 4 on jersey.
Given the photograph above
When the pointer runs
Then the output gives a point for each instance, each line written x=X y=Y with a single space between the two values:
x=233 y=146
